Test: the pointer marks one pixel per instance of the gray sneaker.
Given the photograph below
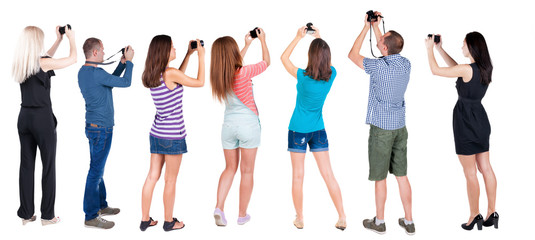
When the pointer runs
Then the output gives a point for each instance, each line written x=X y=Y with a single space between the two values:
x=108 y=211
x=99 y=222
x=409 y=228
x=370 y=224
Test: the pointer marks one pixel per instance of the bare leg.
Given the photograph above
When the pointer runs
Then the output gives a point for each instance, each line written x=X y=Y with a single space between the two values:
x=172 y=165
x=298 y=172
x=472 y=185
x=232 y=157
x=380 y=198
x=405 y=193
x=483 y=164
x=156 y=164
x=324 y=165
x=248 y=157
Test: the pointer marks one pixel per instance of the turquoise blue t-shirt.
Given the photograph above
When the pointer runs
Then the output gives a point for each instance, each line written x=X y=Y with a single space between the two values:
x=311 y=94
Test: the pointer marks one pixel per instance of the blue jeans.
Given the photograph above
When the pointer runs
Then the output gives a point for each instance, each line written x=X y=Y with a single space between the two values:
x=95 y=191
x=317 y=141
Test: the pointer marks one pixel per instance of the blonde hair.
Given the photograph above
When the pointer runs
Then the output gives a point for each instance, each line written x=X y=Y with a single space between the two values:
x=29 y=49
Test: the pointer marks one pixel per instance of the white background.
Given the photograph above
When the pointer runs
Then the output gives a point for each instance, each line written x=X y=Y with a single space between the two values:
x=440 y=203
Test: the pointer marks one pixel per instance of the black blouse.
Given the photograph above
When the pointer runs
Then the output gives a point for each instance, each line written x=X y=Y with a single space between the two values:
x=35 y=91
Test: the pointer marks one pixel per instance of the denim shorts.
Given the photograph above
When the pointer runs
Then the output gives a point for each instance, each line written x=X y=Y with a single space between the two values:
x=387 y=152
x=240 y=134
x=166 y=146
x=317 y=141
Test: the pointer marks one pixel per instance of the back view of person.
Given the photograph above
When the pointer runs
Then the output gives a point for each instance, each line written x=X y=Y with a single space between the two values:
x=240 y=134
x=37 y=123
x=168 y=131
x=387 y=143
x=306 y=125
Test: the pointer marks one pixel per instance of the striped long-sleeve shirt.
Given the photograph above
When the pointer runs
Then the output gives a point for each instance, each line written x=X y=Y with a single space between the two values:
x=168 y=122
x=243 y=86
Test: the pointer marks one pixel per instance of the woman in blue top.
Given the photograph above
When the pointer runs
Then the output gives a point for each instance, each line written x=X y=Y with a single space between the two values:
x=306 y=125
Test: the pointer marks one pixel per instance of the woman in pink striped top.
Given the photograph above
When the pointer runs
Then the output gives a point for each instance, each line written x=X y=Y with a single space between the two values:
x=232 y=84
x=168 y=133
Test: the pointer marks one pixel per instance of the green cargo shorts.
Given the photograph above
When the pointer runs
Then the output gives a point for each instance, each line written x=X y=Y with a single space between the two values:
x=387 y=152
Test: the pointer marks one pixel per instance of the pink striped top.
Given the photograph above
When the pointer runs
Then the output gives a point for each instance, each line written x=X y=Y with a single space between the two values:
x=243 y=85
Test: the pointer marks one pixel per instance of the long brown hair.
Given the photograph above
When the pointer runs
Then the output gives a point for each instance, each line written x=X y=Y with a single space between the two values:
x=477 y=46
x=319 y=60
x=157 y=60
x=226 y=60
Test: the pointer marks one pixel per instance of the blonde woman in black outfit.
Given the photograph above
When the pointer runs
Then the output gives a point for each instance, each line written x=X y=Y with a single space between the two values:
x=471 y=127
x=32 y=69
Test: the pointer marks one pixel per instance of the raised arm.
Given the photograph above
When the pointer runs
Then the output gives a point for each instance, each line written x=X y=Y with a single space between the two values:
x=55 y=46
x=463 y=70
x=449 y=61
x=48 y=64
x=354 y=53
x=248 y=41
x=375 y=26
x=285 y=57
x=265 y=52
x=185 y=62
x=178 y=76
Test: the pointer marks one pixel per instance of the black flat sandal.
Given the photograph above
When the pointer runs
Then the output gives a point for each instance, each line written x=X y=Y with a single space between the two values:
x=168 y=226
x=145 y=224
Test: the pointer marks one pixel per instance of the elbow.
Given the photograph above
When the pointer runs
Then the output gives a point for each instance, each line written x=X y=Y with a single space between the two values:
x=268 y=62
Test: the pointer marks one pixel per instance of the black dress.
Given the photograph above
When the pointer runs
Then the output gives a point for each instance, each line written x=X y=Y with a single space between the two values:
x=37 y=129
x=471 y=127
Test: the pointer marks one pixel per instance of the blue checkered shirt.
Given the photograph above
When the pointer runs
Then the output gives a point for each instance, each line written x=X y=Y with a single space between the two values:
x=389 y=77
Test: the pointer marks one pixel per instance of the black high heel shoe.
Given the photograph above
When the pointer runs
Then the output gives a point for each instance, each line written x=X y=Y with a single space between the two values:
x=478 y=219
x=492 y=220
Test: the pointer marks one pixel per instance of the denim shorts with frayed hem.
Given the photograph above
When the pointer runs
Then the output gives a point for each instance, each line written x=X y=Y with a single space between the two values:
x=168 y=146
x=387 y=152
x=317 y=141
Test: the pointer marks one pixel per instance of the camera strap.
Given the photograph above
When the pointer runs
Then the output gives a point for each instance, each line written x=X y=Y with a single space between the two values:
x=384 y=32
x=102 y=63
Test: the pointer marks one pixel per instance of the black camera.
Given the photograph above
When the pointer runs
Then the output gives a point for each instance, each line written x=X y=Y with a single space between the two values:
x=372 y=17
x=309 y=28
x=62 y=29
x=194 y=44
x=437 y=37
x=253 y=33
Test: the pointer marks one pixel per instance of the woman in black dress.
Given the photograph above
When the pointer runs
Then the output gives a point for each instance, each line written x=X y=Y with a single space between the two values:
x=37 y=123
x=471 y=127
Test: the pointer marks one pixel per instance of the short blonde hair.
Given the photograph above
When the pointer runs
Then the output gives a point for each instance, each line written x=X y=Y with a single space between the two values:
x=29 y=49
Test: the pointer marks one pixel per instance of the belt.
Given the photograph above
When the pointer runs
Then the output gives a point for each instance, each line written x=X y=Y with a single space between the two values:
x=467 y=100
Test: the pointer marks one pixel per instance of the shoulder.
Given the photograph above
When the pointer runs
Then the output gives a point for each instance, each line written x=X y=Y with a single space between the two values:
x=300 y=73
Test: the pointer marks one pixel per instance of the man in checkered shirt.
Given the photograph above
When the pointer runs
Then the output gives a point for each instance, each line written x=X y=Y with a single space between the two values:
x=387 y=144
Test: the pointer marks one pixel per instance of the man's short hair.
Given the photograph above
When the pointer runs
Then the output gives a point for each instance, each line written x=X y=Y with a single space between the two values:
x=89 y=45
x=394 y=42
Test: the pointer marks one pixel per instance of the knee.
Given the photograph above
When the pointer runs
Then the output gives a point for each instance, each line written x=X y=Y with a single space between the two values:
x=246 y=170
x=298 y=176
x=470 y=173
x=485 y=170
x=153 y=176
x=170 y=180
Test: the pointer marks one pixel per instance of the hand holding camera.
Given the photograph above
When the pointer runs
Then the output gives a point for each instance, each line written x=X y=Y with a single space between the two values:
x=314 y=31
x=128 y=53
x=194 y=44
x=67 y=30
x=199 y=45
x=301 y=32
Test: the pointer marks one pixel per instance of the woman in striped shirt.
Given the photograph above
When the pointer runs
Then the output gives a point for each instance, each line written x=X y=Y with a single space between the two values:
x=231 y=83
x=168 y=133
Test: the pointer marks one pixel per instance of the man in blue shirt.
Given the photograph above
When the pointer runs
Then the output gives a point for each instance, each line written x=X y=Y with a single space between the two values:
x=387 y=144
x=96 y=86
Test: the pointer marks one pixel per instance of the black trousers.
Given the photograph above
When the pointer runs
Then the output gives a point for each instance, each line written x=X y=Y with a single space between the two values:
x=37 y=128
